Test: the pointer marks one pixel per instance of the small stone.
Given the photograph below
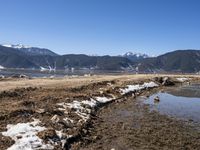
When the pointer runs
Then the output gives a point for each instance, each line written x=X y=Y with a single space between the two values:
x=19 y=137
x=156 y=99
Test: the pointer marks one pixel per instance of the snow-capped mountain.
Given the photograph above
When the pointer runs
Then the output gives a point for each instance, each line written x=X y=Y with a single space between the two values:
x=184 y=61
x=135 y=56
x=31 y=50
x=17 y=46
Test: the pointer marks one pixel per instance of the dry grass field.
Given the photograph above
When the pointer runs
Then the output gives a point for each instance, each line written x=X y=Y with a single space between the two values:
x=67 y=110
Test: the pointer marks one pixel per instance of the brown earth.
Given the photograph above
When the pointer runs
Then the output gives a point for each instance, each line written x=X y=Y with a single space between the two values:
x=130 y=125
x=24 y=99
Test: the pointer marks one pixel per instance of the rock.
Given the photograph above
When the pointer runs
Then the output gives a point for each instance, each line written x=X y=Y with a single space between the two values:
x=158 y=79
x=19 y=137
x=23 y=76
x=156 y=99
x=166 y=81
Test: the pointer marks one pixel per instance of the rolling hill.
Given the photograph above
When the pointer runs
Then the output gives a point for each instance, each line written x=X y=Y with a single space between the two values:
x=31 y=50
x=24 y=57
x=186 y=61
x=18 y=56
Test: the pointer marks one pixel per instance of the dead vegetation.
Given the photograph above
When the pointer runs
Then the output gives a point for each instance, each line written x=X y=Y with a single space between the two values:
x=39 y=98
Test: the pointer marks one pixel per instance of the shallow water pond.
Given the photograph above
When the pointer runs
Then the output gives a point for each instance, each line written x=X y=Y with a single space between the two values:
x=180 y=102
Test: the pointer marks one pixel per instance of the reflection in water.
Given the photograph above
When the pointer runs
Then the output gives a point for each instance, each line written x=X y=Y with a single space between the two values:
x=186 y=91
x=183 y=102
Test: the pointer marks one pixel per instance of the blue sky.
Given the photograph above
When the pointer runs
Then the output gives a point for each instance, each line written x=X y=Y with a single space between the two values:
x=102 y=26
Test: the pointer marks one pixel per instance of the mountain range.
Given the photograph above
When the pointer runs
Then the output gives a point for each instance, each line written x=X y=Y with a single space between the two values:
x=186 y=61
x=19 y=56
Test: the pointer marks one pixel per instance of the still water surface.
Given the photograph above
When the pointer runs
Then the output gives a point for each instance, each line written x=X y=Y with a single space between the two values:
x=180 y=102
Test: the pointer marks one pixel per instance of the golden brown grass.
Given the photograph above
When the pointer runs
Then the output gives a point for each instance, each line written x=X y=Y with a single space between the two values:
x=9 y=84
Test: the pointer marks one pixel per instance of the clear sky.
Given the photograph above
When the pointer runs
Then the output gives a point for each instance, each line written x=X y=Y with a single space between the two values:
x=102 y=26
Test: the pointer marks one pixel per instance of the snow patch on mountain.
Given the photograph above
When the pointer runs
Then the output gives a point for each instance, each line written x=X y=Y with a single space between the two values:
x=31 y=50
x=2 y=67
x=17 y=46
x=134 y=54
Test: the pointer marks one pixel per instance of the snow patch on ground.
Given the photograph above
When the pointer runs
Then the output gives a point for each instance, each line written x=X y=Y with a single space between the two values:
x=182 y=79
x=25 y=136
x=137 y=87
x=103 y=99
x=92 y=103
x=80 y=108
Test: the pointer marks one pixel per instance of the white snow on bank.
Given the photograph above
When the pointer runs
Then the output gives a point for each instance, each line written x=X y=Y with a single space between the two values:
x=92 y=103
x=182 y=79
x=25 y=136
x=137 y=87
x=80 y=109
x=103 y=99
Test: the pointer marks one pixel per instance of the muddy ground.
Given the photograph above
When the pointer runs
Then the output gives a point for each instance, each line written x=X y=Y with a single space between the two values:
x=130 y=125
x=109 y=127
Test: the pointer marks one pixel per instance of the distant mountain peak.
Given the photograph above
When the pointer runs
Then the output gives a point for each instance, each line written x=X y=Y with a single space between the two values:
x=31 y=50
x=128 y=54
x=17 y=46
x=134 y=56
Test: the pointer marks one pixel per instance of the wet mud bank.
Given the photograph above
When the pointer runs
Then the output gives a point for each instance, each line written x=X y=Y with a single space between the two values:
x=132 y=125
x=85 y=117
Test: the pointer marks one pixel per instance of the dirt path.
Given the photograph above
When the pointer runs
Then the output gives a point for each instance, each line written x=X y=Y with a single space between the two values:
x=130 y=125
